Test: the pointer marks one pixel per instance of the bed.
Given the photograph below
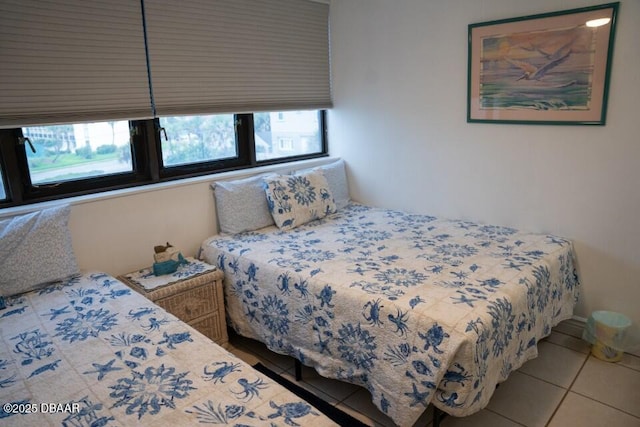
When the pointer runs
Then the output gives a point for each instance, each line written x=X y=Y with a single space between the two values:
x=88 y=351
x=415 y=308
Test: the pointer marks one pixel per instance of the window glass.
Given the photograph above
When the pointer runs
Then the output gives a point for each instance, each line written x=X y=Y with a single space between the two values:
x=77 y=151
x=3 y=194
x=87 y=158
x=286 y=134
x=196 y=139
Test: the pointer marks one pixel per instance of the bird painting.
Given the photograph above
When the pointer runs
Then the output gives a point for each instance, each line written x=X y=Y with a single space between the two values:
x=549 y=69
x=532 y=72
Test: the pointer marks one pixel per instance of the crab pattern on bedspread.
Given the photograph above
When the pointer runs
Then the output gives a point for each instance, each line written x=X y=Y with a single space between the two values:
x=416 y=309
x=104 y=355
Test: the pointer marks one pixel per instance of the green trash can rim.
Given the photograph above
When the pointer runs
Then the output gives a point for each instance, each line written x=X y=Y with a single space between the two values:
x=611 y=318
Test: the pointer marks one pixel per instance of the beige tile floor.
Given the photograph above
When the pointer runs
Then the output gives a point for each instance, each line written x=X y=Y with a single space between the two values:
x=564 y=386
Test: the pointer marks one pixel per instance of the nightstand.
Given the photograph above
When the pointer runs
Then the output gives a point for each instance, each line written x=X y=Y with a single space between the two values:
x=193 y=294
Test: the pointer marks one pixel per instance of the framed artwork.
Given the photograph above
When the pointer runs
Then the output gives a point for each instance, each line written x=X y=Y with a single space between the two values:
x=551 y=68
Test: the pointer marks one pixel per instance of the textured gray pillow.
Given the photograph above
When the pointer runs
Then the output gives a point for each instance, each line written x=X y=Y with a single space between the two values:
x=35 y=249
x=241 y=205
x=337 y=179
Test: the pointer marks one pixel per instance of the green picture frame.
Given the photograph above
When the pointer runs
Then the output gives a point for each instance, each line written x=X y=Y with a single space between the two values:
x=551 y=68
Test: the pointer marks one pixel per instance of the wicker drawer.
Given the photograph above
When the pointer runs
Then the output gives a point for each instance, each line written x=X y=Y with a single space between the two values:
x=191 y=304
x=211 y=326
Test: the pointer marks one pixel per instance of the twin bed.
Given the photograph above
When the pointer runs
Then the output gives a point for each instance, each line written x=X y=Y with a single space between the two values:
x=88 y=351
x=416 y=309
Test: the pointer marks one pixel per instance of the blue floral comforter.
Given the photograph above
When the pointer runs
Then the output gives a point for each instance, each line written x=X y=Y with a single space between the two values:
x=91 y=352
x=417 y=309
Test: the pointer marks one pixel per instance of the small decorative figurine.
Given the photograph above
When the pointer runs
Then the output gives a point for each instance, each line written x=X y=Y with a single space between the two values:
x=167 y=259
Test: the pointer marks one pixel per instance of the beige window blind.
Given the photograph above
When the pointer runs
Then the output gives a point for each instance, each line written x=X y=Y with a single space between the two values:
x=69 y=61
x=238 y=55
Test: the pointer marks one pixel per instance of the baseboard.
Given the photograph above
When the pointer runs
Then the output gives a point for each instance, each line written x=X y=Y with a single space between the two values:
x=572 y=327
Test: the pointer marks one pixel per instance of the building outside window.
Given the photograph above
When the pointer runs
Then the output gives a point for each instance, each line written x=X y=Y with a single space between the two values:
x=287 y=133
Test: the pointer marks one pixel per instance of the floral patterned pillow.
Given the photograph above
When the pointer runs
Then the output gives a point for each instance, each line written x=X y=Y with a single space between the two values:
x=295 y=200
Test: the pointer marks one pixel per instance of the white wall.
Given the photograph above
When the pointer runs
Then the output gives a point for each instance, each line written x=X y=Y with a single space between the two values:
x=115 y=232
x=117 y=235
x=399 y=72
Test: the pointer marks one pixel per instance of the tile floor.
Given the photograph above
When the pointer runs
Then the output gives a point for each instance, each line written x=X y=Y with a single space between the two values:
x=563 y=387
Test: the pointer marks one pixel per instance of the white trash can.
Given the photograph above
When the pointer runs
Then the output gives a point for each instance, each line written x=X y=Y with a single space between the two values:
x=605 y=330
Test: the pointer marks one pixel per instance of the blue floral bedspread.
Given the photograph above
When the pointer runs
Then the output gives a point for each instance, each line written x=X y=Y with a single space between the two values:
x=417 y=309
x=91 y=352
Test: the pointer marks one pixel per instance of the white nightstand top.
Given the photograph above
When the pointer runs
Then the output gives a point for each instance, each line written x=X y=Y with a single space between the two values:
x=149 y=281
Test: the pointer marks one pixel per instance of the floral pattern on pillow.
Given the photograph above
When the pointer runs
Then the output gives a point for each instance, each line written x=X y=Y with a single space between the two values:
x=36 y=249
x=294 y=200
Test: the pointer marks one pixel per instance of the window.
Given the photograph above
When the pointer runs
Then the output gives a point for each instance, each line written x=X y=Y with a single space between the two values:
x=88 y=158
x=273 y=55
x=196 y=139
x=287 y=133
x=51 y=162
x=71 y=152
x=3 y=193
x=285 y=144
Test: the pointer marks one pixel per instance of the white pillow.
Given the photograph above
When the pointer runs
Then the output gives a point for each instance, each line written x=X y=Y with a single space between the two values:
x=35 y=249
x=337 y=179
x=241 y=205
x=297 y=199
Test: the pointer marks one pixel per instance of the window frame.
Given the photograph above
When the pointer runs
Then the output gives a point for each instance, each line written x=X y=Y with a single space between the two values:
x=4 y=182
x=147 y=163
x=203 y=168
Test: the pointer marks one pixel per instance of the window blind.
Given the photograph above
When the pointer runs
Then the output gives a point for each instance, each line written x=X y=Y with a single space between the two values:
x=69 y=61
x=238 y=55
